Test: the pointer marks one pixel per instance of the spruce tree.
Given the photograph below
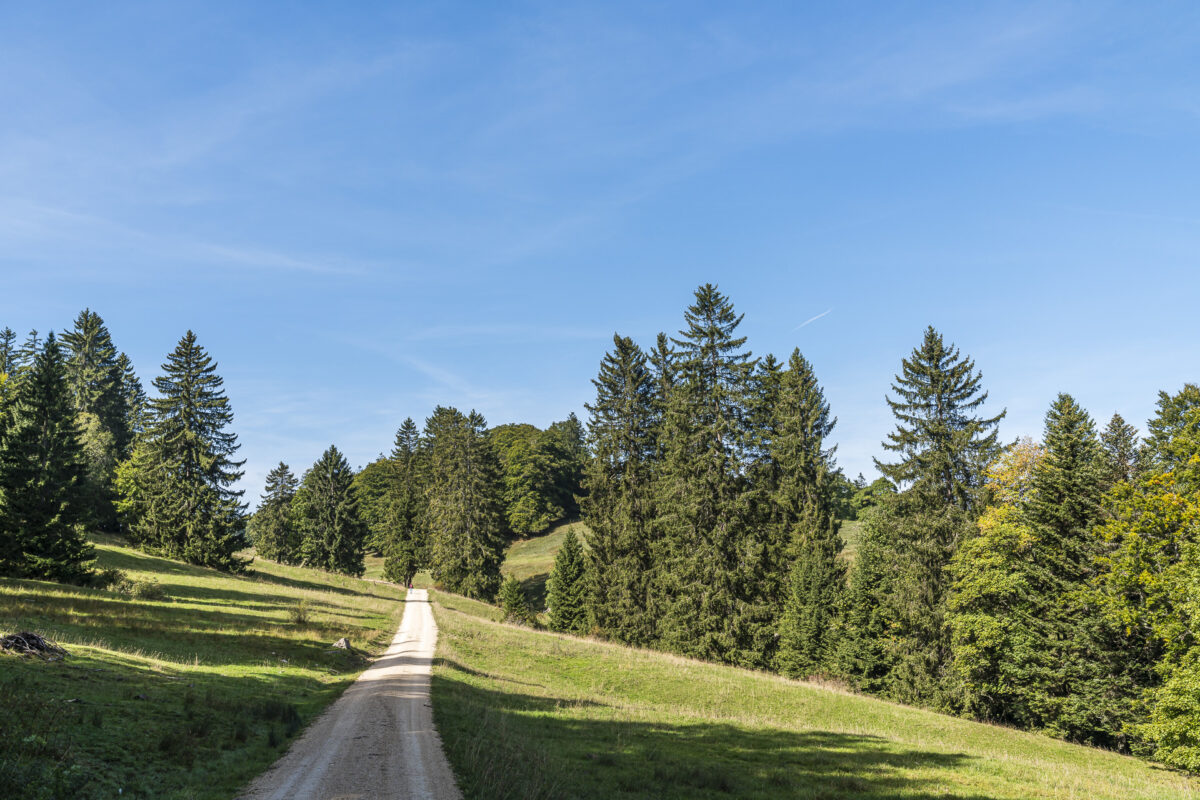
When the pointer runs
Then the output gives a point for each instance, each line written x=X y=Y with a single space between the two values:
x=326 y=507
x=26 y=353
x=43 y=503
x=95 y=379
x=1122 y=453
x=567 y=593
x=716 y=557
x=276 y=535
x=514 y=607
x=944 y=447
x=1175 y=423
x=565 y=444
x=619 y=495
x=464 y=514
x=805 y=503
x=135 y=401
x=405 y=545
x=8 y=351
x=176 y=488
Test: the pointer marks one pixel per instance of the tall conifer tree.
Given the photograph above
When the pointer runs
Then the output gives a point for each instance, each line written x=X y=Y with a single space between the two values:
x=714 y=575
x=464 y=515
x=618 y=500
x=177 y=494
x=95 y=379
x=405 y=545
x=332 y=532
x=8 y=351
x=944 y=447
x=276 y=534
x=1122 y=452
x=804 y=497
x=43 y=503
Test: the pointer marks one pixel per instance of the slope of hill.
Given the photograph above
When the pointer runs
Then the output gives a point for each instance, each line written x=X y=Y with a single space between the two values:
x=526 y=714
x=531 y=560
x=187 y=695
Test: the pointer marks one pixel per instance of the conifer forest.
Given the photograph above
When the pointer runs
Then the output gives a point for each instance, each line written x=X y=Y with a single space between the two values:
x=1046 y=584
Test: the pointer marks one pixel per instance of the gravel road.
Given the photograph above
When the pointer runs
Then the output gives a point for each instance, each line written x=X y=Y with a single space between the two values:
x=377 y=740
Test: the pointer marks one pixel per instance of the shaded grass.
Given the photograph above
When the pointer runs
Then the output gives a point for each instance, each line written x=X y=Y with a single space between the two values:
x=532 y=560
x=192 y=695
x=529 y=714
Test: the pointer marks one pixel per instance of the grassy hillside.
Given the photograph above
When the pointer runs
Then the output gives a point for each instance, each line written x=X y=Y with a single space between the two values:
x=531 y=560
x=526 y=714
x=187 y=696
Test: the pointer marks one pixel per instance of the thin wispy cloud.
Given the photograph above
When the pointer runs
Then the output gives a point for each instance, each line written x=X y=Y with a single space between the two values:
x=811 y=320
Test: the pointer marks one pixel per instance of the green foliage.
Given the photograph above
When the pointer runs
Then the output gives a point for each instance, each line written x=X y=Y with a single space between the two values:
x=371 y=488
x=273 y=529
x=96 y=382
x=943 y=445
x=43 y=499
x=529 y=496
x=1124 y=459
x=1173 y=429
x=715 y=562
x=870 y=495
x=326 y=511
x=568 y=588
x=618 y=503
x=804 y=512
x=464 y=515
x=176 y=495
x=405 y=540
x=513 y=605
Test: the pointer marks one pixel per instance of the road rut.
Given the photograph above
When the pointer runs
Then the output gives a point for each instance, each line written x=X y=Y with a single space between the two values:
x=377 y=740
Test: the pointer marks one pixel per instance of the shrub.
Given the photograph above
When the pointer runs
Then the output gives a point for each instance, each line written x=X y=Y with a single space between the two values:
x=299 y=613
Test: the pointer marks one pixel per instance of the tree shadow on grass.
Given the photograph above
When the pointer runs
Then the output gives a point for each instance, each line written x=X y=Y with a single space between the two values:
x=534 y=588
x=511 y=745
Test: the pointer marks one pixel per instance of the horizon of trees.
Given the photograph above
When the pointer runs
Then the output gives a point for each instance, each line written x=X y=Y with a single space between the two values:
x=1044 y=584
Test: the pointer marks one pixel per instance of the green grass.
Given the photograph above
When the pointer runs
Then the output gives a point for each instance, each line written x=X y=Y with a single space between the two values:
x=526 y=714
x=185 y=697
x=531 y=560
x=851 y=533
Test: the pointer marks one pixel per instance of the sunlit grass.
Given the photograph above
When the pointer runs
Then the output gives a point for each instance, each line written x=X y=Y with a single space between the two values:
x=194 y=694
x=529 y=714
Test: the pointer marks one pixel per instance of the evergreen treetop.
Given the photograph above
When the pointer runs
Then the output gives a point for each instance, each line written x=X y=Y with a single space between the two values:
x=943 y=444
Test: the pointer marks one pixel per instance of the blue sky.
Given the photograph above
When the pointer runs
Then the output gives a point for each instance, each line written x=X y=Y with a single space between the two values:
x=365 y=210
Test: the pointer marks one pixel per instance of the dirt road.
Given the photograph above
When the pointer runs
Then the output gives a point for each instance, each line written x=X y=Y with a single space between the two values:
x=377 y=740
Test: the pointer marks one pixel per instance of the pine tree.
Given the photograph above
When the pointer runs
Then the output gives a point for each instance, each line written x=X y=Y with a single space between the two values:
x=331 y=531
x=565 y=446
x=275 y=533
x=176 y=489
x=567 y=593
x=944 y=446
x=95 y=379
x=26 y=353
x=1122 y=453
x=8 y=351
x=804 y=499
x=618 y=497
x=513 y=605
x=1175 y=423
x=405 y=545
x=464 y=513
x=715 y=557
x=43 y=505
x=527 y=467
x=135 y=401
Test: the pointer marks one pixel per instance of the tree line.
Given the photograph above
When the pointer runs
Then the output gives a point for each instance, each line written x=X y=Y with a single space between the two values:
x=1048 y=585
x=82 y=447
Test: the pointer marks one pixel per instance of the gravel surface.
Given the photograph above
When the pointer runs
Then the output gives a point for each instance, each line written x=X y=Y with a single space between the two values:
x=377 y=740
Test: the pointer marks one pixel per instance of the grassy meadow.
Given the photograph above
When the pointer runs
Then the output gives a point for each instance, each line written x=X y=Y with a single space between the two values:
x=188 y=695
x=527 y=714
x=531 y=560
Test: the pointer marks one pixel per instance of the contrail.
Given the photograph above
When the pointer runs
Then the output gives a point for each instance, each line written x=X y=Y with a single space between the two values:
x=811 y=320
